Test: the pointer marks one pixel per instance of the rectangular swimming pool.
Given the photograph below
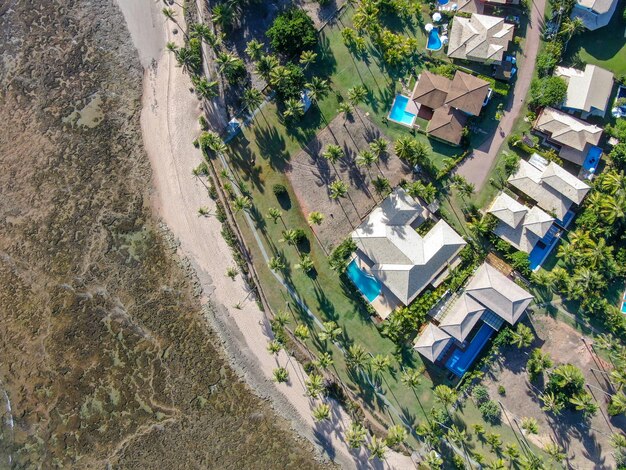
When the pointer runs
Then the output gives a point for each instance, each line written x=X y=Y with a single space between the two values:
x=399 y=113
x=368 y=285
x=592 y=159
x=460 y=361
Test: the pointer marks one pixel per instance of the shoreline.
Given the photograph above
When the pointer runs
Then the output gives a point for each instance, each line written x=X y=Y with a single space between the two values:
x=169 y=122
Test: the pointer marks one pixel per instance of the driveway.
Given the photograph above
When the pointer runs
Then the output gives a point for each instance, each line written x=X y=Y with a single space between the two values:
x=476 y=168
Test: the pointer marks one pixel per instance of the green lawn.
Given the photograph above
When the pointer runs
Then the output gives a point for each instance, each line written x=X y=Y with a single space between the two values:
x=259 y=156
x=605 y=47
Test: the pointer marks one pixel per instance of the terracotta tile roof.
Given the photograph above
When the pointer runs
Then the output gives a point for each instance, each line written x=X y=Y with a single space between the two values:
x=447 y=124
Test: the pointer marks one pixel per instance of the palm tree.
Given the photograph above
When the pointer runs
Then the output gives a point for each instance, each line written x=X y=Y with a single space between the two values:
x=324 y=361
x=314 y=385
x=380 y=363
x=276 y=263
x=169 y=14
x=433 y=460
x=357 y=94
x=355 y=435
x=377 y=448
x=571 y=27
x=612 y=182
x=333 y=154
x=522 y=337
x=356 y=357
x=242 y=203
x=379 y=146
x=266 y=66
x=530 y=425
x=315 y=218
x=274 y=347
x=346 y=109
x=185 y=59
x=225 y=60
x=551 y=403
x=405 y=147
x=531 y=461
x=411 y=378
x=445 y=395
x=172 y=47
x=612 y=209
x=427 y=192
x=281 y=375
x=537 y=363
x=494 y=441
x=464 y=187
x=206 y=89
x=252 y=99
x=618 y=440
x=307 y=58
x=317 y=89
x=338 y=189
x=598 y=253
x=281 y=319
x=290 y=237
x=396 y=434
x=321 y=412
x=381 y=186
x=617 y=404
x=254 y=49
x=306 y=263
x=302 y=332
x=294 y=109
x=331 y=331
x=366 y=158
x=497 y=464
x=555 y=451
x=224 y=15
x=274 y=214
x=456 y=435
x=512 y=453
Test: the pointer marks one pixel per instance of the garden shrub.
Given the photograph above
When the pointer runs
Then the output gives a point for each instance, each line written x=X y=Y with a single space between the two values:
x=490 y=411
x=339 y=256
x=292 y=32
x=548 y=91
x=279 y=189
x=480 y=394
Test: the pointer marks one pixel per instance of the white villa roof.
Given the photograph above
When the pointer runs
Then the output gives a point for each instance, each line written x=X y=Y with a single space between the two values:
x=599 y=6
x=554 y=189
x=463 y=315
x=403 y=260
x=480 y=38
x=520 y=226
x=431 y=342
x=498 y=293
x=588 y=89
x=508 y=210
x=567 y=130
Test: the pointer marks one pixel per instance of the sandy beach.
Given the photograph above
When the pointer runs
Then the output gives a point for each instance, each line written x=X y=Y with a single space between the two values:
x=169 y=123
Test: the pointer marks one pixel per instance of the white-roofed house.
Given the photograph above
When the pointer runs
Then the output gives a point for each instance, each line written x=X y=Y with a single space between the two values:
x=404 y=261
x=519 y=225
x=588 y=91
x=480 y=38
x=594 y=13
x=552 y=187
x=488 y=300
x=573 y=137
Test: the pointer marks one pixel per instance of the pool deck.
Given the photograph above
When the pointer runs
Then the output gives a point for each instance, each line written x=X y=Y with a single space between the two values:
x=411 y=107
x=386 y=302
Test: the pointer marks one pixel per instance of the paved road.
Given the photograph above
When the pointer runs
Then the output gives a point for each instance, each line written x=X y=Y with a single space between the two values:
x=476 y=168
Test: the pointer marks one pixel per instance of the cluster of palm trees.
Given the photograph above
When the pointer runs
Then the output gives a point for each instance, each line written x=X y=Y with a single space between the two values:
x=617 y=377
x=566 y=389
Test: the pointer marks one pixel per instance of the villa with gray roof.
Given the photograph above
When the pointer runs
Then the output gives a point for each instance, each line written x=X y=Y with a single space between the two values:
x=594 y=13
x=588 y=91
x=519 y=225
x=476 y=312
x=552 y=187
x=401 y=259
x=574 y=138
x=480 y=38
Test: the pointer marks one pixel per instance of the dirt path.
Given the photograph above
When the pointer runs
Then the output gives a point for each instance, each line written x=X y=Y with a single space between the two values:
x=477 y=167
x=170 y=124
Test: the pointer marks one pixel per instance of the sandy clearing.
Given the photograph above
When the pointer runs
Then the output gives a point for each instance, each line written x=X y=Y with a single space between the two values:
x=170 y=123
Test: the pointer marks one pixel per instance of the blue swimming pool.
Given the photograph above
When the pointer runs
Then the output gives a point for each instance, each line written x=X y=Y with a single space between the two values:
x=541 y=250
x=399 y=113
x=443 y=2
x=368 y=285
x=434 y=41
x=592 y=159
x=460 y=361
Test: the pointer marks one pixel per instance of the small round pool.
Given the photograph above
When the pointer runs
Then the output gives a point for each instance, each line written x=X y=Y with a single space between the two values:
x=443 y=2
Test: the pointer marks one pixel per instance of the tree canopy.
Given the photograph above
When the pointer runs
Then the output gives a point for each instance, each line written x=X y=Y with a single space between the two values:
x=292 y=33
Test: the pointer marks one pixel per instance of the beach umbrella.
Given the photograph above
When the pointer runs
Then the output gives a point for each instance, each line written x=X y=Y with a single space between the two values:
x=429 y=27
x=436 y=16
x=455 y=6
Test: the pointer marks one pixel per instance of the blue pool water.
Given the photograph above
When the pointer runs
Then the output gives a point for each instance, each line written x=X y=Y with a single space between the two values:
x=367 y=284
x=434 y=41
x=399 y=113
x=543 y=248
x=624 y=306
x=592 y=159
x=443 y=2
x=460 y=361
